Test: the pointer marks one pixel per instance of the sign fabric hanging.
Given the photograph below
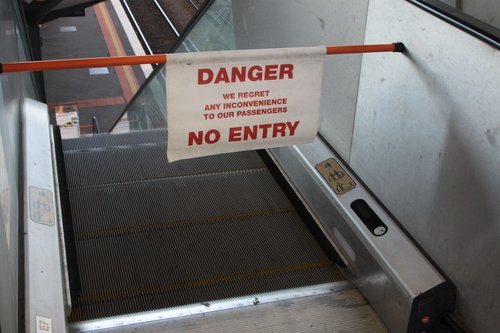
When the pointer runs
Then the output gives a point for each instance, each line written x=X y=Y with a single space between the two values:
x=228 y=101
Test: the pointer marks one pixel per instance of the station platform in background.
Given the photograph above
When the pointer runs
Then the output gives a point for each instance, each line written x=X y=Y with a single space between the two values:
x=94 y=92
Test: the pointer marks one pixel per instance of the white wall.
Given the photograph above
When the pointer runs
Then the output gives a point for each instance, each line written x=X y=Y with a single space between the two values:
x=285 y=23
x=427 y=142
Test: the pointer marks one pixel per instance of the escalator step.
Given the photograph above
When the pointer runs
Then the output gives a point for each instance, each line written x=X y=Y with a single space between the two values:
x=152 y=235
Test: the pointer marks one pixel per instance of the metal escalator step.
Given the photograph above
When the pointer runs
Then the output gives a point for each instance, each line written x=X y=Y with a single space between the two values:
x=192 y=295
x=130 y=157
x=179 y=200
x=151 y=235
x=197 y=264
x=104 y=140
x=108 y=166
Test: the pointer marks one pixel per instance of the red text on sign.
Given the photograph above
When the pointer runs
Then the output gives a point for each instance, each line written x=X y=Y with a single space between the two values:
x=245 y=133
x=251 y=94
x=210 y=137
x=244 y=73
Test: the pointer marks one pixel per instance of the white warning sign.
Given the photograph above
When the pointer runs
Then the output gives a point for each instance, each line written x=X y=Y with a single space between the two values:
x=228 y=101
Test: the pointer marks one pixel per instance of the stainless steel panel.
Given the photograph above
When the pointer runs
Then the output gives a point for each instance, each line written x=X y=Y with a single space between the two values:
x=388 y=269
x=62 y=242
x=427 y=142
x=44 y=303
x=12 y=87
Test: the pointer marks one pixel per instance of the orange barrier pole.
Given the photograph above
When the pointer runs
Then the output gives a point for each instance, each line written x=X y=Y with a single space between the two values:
x=395 y=47
x=43 y=65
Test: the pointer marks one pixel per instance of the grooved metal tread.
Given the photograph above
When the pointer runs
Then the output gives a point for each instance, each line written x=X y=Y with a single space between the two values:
x=104 y=140
x=151 y=234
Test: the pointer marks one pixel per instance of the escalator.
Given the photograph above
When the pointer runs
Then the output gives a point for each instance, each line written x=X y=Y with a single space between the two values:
x=149 y=241
x=119 y=240
x=151 y=234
